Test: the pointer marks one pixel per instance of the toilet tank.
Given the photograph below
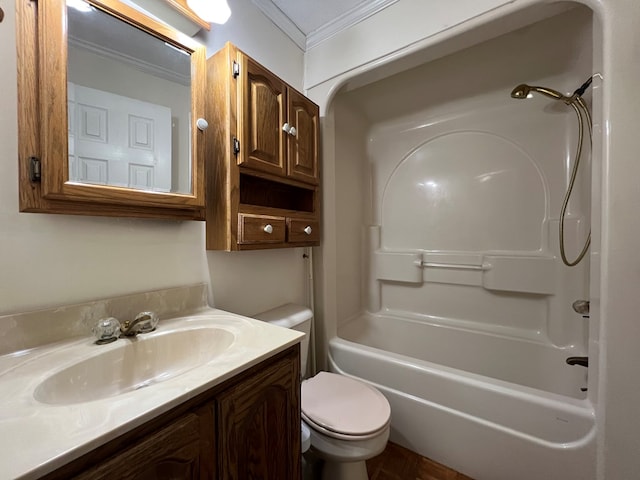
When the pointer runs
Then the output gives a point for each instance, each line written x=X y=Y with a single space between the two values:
x=296 y=317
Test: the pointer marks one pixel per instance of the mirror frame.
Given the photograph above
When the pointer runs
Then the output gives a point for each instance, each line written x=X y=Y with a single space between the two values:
x=42 y=120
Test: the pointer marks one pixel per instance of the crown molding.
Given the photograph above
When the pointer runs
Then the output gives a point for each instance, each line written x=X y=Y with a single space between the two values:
x=346 y=20
x=283 y=22
x=146 y=67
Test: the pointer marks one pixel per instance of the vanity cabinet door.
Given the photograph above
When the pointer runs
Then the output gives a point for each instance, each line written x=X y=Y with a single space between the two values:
x=177 y=451
x=259 y=428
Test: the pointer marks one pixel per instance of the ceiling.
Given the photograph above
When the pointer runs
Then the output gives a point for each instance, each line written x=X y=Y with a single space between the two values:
x=309 y=15
x=309 y=22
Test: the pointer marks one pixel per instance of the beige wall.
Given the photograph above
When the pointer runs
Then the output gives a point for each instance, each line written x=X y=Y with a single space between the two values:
x=57 y=259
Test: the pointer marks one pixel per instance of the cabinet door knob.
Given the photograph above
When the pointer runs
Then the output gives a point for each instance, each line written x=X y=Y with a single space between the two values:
x=308 y=230
x=286 y=127
x=268 y=228
x=202 y=124
x=293 y=131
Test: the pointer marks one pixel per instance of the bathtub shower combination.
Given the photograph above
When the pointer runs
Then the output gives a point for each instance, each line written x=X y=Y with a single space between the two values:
x=463 y=249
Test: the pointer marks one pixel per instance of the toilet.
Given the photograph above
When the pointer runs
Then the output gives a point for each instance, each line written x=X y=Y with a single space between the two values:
x=345 y=421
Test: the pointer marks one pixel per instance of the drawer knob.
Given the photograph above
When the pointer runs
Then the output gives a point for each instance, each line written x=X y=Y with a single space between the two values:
x=268 y=228
x=308 y=230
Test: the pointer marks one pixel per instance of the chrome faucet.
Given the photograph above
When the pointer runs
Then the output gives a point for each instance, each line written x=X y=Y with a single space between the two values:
x=143 y=323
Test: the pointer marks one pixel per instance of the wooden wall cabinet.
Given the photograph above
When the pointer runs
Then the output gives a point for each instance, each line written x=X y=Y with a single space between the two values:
x=124 y=173
x=262 y=161
x=248 y=427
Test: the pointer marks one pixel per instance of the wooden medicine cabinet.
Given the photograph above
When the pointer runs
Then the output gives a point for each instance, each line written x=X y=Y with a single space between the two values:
x=263 y=181
x=111 y=109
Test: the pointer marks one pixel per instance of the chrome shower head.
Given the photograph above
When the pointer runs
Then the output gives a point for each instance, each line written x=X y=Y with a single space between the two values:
x=524 y=91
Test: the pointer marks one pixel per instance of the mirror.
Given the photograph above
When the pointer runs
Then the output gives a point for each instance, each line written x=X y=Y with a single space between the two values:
x=128 y=97
x=120 y=95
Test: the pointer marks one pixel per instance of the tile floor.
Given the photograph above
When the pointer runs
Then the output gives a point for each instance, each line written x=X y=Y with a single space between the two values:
x=398 y=463
x=395 y=463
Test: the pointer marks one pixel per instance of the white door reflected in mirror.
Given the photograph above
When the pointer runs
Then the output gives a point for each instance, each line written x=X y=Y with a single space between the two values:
x=129 y=106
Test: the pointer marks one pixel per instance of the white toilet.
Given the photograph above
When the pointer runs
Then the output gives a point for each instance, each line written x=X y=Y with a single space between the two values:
x=348 y=420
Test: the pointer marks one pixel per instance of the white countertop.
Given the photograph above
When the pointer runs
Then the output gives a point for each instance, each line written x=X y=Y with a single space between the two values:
x=36 y=438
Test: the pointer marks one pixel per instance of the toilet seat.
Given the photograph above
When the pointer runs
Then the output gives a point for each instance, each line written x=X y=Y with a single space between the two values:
x=343 y=408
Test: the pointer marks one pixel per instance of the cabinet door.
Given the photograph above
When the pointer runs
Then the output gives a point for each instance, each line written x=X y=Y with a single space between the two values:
x=304 y=115
x=259 y=428
x=177 y=451
x=262 y=116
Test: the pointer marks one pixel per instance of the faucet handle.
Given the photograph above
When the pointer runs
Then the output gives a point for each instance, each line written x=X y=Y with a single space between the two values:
x=148 y=321
x=581 y=307
x=107 y=330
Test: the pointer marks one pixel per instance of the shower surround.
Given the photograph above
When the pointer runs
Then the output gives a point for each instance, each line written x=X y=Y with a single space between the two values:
x=451 y=295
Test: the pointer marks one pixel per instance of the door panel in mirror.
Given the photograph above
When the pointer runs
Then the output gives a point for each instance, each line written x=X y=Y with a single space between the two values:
x=144 y=101
x=139 y=86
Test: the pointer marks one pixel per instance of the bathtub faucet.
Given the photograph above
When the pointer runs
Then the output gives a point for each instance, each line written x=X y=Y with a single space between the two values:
x=582 y=361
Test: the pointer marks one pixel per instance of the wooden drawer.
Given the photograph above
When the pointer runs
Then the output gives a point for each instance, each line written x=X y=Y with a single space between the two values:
x=255 y=229
x=300 y=230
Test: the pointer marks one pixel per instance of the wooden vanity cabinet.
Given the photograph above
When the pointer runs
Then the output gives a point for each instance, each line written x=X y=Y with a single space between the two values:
x=259 y=427
x=262 y=161
x=248 y=427
x=175 y=451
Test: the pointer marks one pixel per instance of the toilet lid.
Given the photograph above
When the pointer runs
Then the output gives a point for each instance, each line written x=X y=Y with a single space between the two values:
x=344 y=405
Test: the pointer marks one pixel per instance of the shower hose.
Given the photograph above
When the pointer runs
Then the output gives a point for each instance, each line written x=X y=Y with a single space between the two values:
x=582 y=112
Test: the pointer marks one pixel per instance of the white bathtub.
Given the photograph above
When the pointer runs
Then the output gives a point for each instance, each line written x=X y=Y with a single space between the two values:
x=465 y=411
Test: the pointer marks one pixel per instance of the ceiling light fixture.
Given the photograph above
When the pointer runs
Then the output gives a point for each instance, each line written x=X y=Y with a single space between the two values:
x=213 y=11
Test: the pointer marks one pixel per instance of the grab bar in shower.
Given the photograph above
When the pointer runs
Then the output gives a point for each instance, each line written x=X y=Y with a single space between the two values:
x=454 y=266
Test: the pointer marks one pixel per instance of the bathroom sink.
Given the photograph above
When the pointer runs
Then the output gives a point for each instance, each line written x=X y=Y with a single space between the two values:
x=131 y=364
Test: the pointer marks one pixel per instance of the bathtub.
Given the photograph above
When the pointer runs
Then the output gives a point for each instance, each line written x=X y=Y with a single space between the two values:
x=466 y=411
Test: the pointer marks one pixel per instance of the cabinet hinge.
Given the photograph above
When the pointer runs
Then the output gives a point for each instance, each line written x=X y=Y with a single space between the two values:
x=34 y=169
x=236 y=146
x=235 y=69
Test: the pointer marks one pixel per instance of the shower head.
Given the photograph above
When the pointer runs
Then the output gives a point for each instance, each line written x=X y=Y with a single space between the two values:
x=524 y=91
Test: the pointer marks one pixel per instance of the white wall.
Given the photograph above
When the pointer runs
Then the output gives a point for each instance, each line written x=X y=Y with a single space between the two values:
x=250 y=31
x=390 y=30
x=58 y=259
x=352 y=187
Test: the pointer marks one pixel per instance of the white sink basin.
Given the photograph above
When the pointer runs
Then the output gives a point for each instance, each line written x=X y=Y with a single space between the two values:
x=131 y=364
